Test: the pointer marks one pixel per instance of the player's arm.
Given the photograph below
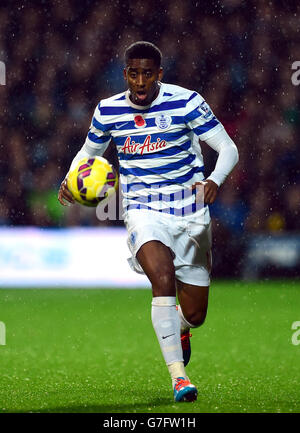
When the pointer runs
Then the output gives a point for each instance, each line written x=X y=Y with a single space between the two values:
x=201 y=120
x=227 y=159
x=96 y=143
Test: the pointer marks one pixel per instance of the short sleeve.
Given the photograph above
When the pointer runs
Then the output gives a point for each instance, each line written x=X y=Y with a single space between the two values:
x=98 y=136
x=200 y=118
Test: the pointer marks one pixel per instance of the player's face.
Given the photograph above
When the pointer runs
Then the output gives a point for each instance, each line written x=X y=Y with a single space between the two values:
x=142 y=76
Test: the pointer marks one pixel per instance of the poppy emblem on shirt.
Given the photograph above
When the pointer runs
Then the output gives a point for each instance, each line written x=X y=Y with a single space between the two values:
x=163 y=122
x=139 y=121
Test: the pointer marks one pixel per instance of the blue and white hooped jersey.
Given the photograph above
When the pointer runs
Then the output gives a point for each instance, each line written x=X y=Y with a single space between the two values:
x=158 y=146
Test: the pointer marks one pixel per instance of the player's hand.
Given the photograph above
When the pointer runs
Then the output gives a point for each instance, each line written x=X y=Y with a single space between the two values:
x=210 y=191
x=65 y=194
x=206 y=191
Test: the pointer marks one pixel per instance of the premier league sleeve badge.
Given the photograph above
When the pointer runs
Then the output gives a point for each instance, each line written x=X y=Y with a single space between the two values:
x=205 y=110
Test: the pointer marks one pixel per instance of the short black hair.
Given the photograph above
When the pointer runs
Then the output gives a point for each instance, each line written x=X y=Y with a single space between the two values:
x=143 y=50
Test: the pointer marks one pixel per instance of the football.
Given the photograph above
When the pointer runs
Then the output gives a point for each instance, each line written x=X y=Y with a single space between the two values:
x=92 y=181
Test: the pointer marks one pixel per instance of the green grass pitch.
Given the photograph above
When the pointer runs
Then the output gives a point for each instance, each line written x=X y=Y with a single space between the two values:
x=95 y=351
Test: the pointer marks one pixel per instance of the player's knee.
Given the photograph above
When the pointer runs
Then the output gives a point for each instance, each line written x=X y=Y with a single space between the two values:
x=197 y=318
x=163 y=283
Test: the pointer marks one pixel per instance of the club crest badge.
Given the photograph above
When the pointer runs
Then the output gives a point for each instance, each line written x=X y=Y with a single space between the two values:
x=133 y=238
x=163 y=121
x=139 y=121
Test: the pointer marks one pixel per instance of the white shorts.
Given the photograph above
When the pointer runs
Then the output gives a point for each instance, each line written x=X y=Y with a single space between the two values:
x=188 y=237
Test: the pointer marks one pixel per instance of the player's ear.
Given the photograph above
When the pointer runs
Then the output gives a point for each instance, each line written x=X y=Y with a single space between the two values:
x=160 y=74
x=125 y=74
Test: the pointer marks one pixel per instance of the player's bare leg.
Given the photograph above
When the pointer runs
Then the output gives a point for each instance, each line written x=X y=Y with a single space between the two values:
x=192 y=312
x=194 y=301
x=157 y=262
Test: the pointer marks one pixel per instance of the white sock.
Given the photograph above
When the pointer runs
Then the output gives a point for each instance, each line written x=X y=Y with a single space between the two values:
x=176 y=369
x=166 y=324
x=184 y=324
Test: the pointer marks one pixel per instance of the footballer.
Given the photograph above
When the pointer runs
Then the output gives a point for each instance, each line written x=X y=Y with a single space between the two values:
x=157 y=128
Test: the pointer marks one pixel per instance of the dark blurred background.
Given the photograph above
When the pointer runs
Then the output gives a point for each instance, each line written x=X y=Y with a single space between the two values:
x=62 y=57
